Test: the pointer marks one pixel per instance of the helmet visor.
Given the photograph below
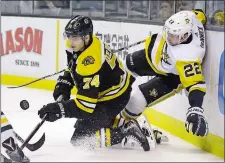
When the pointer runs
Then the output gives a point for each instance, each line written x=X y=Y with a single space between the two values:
x=67 y=35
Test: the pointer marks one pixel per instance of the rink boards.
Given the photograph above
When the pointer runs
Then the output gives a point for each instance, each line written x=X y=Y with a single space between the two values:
x=34 y=47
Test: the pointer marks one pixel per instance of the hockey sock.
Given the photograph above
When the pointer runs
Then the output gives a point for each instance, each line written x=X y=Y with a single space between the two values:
x=106 y=137
x=123 y=117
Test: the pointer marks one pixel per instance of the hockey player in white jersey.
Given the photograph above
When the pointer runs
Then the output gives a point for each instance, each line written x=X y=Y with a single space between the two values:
x=174 y=56
x=9 y=144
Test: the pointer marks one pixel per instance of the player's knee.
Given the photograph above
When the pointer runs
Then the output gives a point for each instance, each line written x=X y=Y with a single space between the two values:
x=157 y=88
x=152 y=90
x=136 y=104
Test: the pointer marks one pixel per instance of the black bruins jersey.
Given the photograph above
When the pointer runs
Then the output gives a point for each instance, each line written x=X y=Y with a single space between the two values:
x=97 y=73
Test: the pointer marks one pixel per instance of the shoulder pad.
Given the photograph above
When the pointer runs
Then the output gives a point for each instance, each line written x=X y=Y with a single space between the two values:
x=148 y=40
x=88 y=65
x=90 y=61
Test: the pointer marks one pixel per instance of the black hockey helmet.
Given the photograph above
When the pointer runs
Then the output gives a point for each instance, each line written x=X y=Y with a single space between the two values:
x=79 y=26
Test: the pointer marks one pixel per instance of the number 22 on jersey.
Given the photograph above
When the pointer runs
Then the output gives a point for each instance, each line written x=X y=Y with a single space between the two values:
x=192 y=69
x=190 y=72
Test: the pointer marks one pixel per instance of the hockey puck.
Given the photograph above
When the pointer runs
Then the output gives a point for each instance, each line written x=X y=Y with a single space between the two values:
x=24 y=104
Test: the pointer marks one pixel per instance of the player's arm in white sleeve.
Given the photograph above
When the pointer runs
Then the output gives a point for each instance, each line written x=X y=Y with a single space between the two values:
x=191 y=77
x=9 y=143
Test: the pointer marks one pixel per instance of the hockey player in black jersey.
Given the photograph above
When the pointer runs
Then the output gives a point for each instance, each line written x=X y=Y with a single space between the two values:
x=103 y=89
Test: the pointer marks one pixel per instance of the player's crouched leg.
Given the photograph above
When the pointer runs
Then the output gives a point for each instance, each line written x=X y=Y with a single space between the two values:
x=9 y=143
x=98 y=131
x=136 y=105
x=106 y=137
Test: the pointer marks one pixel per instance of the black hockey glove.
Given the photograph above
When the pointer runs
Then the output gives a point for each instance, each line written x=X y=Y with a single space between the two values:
x=63 y=87
x=196 y=122
x=54 y=111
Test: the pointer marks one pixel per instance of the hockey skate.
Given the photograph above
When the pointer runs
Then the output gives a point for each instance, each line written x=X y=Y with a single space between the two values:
x=134 y=136
x=153 y=135
x=159 y=136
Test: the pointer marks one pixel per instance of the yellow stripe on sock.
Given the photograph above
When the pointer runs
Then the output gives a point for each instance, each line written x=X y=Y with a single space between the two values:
x=108 y=137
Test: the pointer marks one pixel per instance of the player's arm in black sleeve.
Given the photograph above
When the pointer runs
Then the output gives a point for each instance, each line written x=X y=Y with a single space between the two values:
x=196 y=94
x=65 y=82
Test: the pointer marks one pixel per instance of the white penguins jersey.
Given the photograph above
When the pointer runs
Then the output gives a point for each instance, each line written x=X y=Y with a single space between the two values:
x=193 y=51
x=183 y=59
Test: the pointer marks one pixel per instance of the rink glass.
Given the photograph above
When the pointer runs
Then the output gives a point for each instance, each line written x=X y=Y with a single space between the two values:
x=145 y=12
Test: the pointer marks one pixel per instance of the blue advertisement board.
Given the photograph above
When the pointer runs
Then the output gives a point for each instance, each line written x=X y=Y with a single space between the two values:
x=221 y=84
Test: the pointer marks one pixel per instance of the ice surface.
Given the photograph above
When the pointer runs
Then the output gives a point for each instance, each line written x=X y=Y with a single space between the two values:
x=57 y=146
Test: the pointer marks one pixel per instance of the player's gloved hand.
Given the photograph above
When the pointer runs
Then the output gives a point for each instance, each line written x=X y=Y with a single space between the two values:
x=54 y=111
x=196 y=122
x=63 y=87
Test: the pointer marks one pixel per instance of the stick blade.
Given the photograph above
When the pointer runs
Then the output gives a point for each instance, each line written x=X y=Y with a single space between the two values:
x=37 y=145
x=14 y=87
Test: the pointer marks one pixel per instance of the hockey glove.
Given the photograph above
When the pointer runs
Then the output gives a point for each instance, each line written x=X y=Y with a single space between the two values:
x=196 y=122
x=63 y=87
x=54 y=111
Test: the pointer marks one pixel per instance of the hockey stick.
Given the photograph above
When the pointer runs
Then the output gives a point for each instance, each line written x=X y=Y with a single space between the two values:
x=129 y=46
x=44 y=77
x=33 y=132
x=32 y=147
x=47 y=76
x=60 y=98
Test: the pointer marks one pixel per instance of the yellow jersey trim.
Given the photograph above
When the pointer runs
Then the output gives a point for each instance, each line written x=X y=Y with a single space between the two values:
x=119 y=93
x=147 y=42
x=82 y=107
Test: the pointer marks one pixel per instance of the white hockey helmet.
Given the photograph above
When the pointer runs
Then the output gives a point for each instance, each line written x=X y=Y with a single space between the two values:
x=178 y=27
